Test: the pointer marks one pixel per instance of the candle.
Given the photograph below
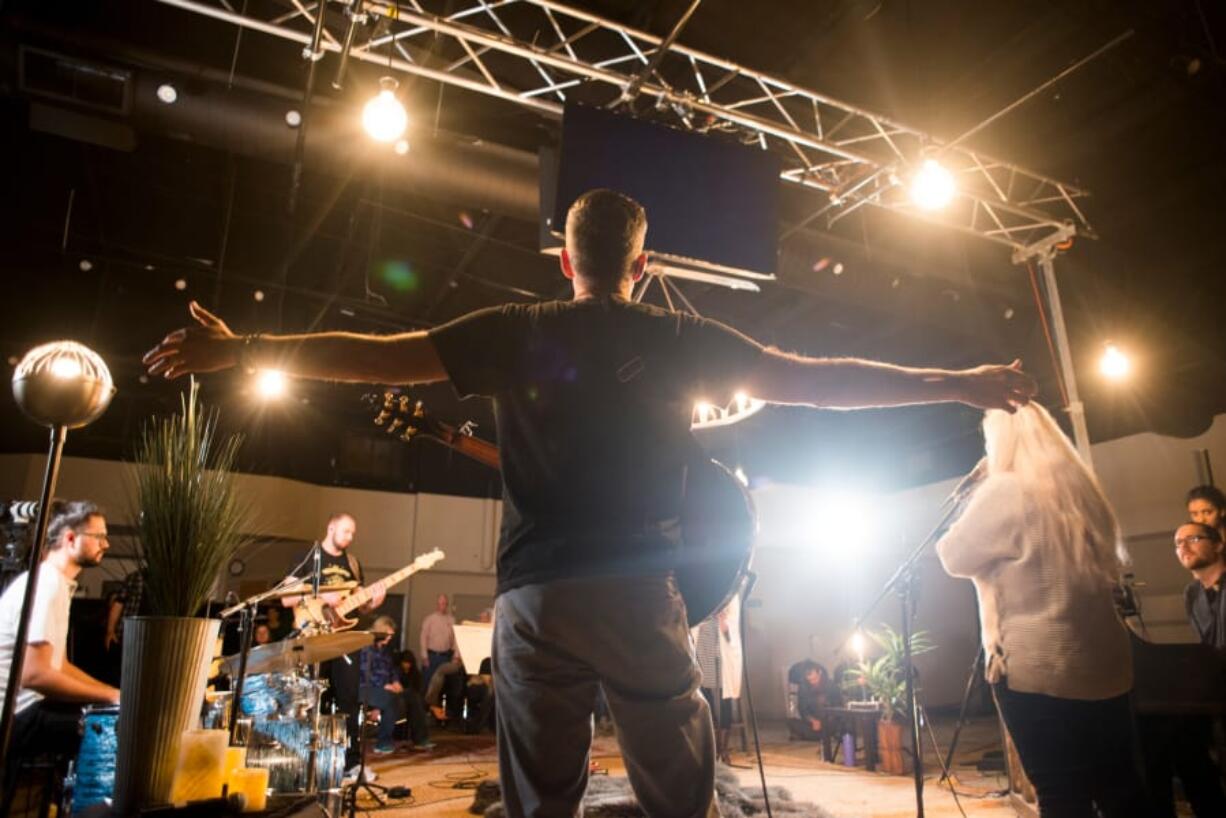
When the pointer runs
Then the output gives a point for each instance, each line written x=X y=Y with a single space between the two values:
x=201 y=769
x=252 y=783
x=236 y=759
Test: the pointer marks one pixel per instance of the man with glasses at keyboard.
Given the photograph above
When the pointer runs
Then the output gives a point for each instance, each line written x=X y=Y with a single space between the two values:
x=53 y=689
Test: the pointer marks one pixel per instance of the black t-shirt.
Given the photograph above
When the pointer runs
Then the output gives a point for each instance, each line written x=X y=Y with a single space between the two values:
x=593 y=401
x=333 y=570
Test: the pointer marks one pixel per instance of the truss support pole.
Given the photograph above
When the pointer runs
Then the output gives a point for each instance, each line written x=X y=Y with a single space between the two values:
x=1045 y=253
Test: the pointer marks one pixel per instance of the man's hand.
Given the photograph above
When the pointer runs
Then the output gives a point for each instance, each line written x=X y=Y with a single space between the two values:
x=111 y=639
x=996 y=387
x=816 y=724
x=377 y=594
x=208 y=347
x=394 y=687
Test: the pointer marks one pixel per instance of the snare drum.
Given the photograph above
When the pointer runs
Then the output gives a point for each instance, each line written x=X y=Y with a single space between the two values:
x=96 y=760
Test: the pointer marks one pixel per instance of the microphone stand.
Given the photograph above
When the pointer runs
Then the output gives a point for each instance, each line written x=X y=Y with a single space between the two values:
x=903 y=583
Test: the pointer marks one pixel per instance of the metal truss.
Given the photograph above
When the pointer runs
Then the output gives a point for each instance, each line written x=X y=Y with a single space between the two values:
x=537 y=52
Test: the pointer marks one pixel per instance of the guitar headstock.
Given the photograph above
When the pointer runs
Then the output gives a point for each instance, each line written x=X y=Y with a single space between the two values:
x=428 y=560
x=405 y=418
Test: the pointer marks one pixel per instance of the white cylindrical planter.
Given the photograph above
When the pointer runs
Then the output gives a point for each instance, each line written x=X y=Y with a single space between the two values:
x=165 y=668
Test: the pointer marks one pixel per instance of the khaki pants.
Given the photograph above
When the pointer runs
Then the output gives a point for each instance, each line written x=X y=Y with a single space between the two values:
x=554 y=643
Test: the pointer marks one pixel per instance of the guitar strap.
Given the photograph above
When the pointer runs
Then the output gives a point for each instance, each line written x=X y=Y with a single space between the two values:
x=355 y=568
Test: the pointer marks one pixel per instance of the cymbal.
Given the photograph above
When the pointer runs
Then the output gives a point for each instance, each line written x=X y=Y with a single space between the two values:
x=305 y=589
x=289 y=654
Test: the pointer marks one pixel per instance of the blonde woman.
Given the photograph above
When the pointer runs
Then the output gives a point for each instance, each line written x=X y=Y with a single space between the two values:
x=1040 y=542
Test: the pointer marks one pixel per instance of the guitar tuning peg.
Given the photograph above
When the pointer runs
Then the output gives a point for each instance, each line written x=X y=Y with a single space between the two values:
x=394 y=425
x=381 y=418
x=404 y=403
x=419 y=410
x=387 y=401
x=408 y=434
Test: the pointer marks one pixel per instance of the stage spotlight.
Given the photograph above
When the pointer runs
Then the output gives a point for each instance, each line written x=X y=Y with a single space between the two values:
x=180 y=284
x=703 y=410
x=86 y=265
x=1114 y=364
x=401 y=147
x=932 y=187
x=271 y=384
x=856 y=643
x=167 y=93
x=293 y=118
x=841 y=520
x=384 y=118
x=258 y=295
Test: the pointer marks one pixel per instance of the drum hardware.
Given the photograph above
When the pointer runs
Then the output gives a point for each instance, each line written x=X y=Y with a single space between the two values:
x=349 y=798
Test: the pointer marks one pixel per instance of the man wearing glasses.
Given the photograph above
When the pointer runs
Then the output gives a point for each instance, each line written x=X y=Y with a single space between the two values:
x=53 y=688
x=1199 y=549
x=1181 y=744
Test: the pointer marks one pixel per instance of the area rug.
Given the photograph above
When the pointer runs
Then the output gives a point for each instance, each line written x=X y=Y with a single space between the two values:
x=609 y=797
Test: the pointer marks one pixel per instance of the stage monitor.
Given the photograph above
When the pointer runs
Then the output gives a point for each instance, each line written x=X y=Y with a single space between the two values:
x=711 y=203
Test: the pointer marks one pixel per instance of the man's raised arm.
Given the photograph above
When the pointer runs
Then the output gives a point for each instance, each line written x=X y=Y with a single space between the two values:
x=210 y=346
x=847 y=383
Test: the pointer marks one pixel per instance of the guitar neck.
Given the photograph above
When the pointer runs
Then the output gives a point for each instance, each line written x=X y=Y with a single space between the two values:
x=482 y=451
x=362 y=595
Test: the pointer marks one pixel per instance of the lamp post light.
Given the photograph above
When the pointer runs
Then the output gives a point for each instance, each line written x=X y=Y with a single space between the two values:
x=62 y=385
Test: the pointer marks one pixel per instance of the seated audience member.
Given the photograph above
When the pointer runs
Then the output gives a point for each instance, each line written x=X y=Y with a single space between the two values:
x=262 y=635
x=411 y=680
x=479 y=696
x=52 y=689
x=1180 y=744
x=447 y=678
x=379 y=683
x=814 y=692
x=279 y=625
x=1207 y=504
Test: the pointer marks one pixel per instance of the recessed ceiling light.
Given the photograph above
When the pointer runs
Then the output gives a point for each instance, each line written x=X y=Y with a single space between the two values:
x=86 y=265
x=167 y=93
x=293 y=118
x=180 y=284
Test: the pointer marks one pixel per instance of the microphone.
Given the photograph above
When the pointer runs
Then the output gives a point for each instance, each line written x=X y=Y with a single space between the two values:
x=969 y=482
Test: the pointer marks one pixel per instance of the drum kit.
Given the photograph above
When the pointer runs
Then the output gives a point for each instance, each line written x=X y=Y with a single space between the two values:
x=278 y=716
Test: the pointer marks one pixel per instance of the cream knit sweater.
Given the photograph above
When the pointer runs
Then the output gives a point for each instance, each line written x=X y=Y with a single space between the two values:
x=1047 y=627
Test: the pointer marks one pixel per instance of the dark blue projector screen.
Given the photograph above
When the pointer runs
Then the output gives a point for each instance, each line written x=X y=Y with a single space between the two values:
x=708 y=201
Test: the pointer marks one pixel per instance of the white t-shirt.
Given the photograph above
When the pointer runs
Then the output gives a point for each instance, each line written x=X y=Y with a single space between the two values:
x=48 y=622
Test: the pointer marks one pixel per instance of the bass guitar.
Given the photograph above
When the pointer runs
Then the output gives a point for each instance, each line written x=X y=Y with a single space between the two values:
x=313 y=616
x=718 y=518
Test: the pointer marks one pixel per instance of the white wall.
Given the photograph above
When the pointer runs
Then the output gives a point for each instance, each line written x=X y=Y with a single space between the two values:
x=808 y=593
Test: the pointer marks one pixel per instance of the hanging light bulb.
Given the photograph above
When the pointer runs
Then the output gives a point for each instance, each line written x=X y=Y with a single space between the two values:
x=933 y=186
x=384 y=118
x=1114 y=364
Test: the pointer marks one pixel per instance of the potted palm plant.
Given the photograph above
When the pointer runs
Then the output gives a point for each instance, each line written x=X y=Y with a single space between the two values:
x=884 y=680
x=189 y=523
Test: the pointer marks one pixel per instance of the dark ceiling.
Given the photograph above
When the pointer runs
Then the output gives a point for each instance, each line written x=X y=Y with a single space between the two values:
x=105 y=213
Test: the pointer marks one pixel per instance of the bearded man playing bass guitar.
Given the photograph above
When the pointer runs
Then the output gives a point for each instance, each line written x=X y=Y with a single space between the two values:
x=593 y=399
x=338 y=567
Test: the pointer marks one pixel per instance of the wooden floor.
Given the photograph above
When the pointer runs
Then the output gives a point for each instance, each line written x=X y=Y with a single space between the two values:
x=442 y=780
